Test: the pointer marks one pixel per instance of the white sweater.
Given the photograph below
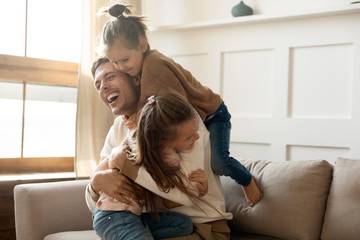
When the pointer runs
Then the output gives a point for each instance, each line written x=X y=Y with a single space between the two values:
x=199 y=157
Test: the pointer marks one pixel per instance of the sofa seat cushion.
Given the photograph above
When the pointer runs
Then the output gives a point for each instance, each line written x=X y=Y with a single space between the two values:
x=342 y=217
x=241 y=236
x=78 y=235
x=293 y=202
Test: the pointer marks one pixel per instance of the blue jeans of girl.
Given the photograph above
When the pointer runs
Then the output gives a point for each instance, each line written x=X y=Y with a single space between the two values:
x=117 y=225
x=219 y=126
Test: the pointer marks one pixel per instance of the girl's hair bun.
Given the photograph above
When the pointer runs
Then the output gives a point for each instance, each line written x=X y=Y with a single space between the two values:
x=118 y=9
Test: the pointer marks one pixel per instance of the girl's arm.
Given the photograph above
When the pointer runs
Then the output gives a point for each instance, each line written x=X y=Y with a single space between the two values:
x=198 y=176
x=102 y=166
x=113 y=161
x=143 y=178
x=117 y=157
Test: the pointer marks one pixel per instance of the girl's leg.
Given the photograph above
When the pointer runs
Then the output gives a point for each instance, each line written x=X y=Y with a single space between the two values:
x=117 y=225
x=171 y=225
x=221 y=162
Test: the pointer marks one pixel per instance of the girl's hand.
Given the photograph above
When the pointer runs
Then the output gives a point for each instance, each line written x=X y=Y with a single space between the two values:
x=200 y=178
x=117 y=157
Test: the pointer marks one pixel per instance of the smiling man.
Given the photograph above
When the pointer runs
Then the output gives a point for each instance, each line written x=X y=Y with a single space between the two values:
x=121 y=94
x=117 y=90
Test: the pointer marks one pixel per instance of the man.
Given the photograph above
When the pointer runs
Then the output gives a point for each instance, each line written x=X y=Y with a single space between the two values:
x=121 y=94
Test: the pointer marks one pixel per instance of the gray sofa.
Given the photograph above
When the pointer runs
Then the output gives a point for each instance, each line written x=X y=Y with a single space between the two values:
x=302 y=200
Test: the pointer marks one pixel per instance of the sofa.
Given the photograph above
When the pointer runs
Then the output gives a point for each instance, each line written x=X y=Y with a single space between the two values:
x=302 y=200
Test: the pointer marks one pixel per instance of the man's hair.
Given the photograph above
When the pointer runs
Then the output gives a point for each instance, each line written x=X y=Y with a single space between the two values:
x=97 y=63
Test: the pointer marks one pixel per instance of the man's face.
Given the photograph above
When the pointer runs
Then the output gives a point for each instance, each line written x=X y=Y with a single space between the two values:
x=117 y=90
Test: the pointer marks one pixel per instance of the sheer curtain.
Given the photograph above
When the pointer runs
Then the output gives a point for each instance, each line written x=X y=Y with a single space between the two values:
x=93 y=118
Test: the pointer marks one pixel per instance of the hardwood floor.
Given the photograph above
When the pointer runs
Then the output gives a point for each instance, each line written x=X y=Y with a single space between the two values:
x=7 y=217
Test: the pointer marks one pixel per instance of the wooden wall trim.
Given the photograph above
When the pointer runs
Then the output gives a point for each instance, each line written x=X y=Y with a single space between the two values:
x=32 y=70
x=36 y=165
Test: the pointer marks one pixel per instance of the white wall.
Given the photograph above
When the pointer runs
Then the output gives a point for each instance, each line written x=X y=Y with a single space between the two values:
x=291 y=83
x=169 y=12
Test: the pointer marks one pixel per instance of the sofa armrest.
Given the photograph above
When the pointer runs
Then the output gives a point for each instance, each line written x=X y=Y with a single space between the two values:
x=46 y=208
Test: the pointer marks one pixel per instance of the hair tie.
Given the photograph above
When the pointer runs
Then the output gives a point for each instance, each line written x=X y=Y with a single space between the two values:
x=151 y=100
x=117 y=10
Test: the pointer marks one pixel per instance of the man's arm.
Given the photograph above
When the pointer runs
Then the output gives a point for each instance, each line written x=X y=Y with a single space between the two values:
x=109 y=181
x=102 y=166
x=106 y=177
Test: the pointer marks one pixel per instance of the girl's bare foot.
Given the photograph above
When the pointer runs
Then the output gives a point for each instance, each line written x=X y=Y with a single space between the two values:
x=252 y=192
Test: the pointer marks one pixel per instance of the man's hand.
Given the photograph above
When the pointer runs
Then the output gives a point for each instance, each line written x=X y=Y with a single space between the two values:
x=115 y=185
x=200 y=178
x=130 y=121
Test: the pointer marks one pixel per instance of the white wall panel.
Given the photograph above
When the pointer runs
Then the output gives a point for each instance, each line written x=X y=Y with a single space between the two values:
x=248 y=82
x=292 y=83
x=197 y=64
x=321 y=81
x=295 y=153
x=255 y=151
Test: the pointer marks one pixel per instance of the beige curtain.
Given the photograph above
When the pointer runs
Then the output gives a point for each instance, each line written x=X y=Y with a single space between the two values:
x=93 y=118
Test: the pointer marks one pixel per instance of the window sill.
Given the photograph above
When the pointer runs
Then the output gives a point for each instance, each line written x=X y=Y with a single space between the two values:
x=37 y=176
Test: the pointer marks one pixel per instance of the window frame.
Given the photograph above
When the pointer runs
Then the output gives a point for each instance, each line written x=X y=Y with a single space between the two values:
x=39 y=71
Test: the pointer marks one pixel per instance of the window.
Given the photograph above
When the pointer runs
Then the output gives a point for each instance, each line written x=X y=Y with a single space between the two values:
x=39 y=57
x=11 y=119
x=49 y=115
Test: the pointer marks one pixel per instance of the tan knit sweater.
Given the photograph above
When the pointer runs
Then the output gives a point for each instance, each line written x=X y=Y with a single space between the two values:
x=161 y=74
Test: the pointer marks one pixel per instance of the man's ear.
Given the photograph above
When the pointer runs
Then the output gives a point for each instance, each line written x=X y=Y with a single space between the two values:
x=143 y=44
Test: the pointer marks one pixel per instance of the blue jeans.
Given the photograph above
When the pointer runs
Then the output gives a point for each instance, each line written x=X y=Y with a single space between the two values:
x=116 y=225
x=219 y=125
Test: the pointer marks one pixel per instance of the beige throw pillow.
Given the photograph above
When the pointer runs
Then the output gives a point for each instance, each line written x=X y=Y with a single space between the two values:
x=293 y=203
x=342 y=217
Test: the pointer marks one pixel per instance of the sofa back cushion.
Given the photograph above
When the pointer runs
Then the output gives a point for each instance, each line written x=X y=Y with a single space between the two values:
x=342 y=217
x=293 y=202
